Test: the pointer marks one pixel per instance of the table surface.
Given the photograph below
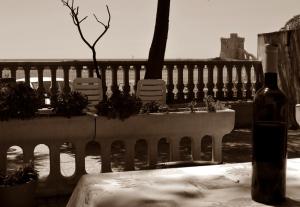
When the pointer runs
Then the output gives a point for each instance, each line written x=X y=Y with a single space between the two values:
x=226 y=185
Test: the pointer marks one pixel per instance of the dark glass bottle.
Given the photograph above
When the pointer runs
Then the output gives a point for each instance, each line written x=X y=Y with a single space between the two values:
x=269 y=138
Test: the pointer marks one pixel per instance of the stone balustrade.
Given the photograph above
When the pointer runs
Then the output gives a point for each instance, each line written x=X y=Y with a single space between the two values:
x=186 y=79
x=54 y=131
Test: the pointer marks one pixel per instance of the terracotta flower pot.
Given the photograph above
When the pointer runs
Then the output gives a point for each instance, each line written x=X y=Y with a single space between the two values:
x=18 y=196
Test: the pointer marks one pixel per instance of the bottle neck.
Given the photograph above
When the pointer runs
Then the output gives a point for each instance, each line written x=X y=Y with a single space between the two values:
x=271 y=80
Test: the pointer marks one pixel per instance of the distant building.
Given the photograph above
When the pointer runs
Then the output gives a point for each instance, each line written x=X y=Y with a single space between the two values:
x=233 y=48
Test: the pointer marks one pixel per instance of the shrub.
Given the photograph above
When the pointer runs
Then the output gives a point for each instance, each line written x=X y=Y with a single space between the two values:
x=152 y=107
x=23 y=175
x=69 y=104
x=212 y=105
x=119 y=106
x=18 y=100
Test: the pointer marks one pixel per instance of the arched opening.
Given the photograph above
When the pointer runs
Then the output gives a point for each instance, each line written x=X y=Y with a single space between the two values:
x=206 y=148
x=14 y=158
x=244 y=80
x=42 y=160
x=67 y=159
x=234 y=80
x=92 y=157
x=205 y=79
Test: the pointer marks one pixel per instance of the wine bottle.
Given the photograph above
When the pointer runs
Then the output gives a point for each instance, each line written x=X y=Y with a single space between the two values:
x=269 y=136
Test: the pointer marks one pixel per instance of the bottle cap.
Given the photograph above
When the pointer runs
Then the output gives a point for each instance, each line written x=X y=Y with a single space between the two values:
x=270 y=62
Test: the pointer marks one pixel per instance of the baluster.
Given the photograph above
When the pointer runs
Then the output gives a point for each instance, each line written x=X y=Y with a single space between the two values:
x=259 y=76
x=103 y=77
x=137 y=75
x=196 y=148
x=239 y=84
x=175 y=148
x=54 y=85
x=180 y=85
x=27 y=74
x=248 y=84
x=41 y=88
x=66 y=88
x=220 y=84
x=126 y=87
x=210 y=82
x=190 y=85
x=80 y=159
x=130 y=145
x=114 y=74
x=28 y=153
x=200 y=84
x=13 y=72
x=54 y=162
x=152 y=151
x=78 y=69
x=170 y=84
x=105 y=156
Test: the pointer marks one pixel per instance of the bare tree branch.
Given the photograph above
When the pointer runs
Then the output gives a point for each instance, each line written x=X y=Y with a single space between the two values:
x=83 y=19
x=99 y=21
x=109 y=17
x=74 y=14
x=106 y=27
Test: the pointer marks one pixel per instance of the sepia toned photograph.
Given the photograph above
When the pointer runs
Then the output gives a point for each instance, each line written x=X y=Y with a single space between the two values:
x=150 y=103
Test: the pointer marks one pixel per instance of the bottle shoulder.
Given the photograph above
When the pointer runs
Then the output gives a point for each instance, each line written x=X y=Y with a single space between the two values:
x=266 y=93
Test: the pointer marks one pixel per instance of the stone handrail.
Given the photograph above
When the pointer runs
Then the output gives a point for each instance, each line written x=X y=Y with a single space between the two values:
x=54 y=131
x=194 y=78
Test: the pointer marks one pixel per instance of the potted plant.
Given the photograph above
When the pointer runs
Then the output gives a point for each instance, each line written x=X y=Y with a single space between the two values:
x=120 y=106
x=18 y=188
x=18 y=100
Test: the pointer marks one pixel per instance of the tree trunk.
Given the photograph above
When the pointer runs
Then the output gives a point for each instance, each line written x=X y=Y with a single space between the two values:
x=96 y=67
x=288 y=66
x=157 y=50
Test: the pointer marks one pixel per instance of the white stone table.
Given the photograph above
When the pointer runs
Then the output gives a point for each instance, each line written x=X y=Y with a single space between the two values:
x=225 y=185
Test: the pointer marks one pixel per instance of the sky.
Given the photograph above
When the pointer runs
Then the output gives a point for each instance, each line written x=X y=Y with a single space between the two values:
x=42 y=29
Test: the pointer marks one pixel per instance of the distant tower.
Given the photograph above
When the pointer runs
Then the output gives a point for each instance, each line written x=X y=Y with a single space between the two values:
x=232 y=47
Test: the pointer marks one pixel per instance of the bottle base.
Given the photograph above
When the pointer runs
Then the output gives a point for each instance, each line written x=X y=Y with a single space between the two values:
x=269 y=201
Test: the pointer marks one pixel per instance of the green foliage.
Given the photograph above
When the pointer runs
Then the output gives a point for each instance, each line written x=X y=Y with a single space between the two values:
x=151 y=107
x=23 y=175
x=119 y=106
x=18 y=100
x=69 y=104
x=212 y=105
